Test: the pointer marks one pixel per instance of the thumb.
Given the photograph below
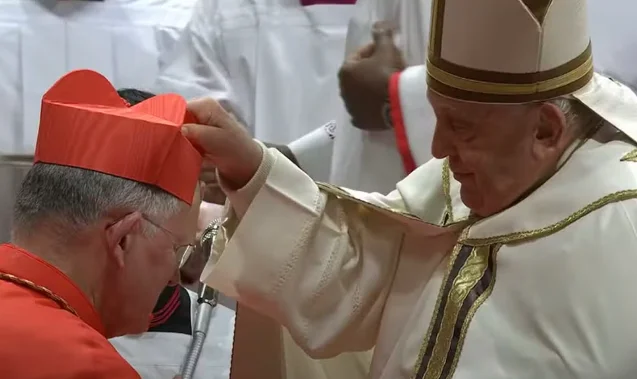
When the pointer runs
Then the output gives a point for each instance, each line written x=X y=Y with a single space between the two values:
x=210 y=112
x=208 y=138
x=383 y=35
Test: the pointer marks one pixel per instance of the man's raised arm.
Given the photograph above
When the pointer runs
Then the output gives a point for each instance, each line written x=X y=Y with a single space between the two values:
x=310 y=256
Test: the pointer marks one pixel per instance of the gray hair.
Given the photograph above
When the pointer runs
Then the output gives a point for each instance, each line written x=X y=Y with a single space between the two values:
x=72 y=198
x=578 y=115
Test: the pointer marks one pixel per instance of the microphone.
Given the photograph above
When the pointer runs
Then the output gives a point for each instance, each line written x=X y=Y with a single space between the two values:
x=207 y=300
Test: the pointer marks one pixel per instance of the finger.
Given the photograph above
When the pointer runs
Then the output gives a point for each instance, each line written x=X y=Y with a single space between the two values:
x=210 y=178
x=210 y=139
x=208 y=165
x=383 y=34
x=362 y=53
x=202 y=187
x=210 y=112
x=365 y=51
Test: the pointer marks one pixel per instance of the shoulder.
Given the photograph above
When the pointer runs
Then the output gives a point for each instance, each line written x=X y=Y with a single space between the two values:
x=423 y=191
x=58 y=341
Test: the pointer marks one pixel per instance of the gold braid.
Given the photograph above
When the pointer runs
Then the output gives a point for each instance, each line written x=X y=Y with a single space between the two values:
x=40 y=289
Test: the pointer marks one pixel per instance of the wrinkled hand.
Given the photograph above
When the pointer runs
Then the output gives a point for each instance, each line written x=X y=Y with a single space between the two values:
x=226 y=143
x=364 y=78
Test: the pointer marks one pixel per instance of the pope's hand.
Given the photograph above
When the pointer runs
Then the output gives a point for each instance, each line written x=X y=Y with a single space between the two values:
x=364 y=79
x=226 y=143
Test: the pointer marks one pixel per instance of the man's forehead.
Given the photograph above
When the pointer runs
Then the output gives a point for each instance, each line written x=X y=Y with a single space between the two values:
x=464 y=108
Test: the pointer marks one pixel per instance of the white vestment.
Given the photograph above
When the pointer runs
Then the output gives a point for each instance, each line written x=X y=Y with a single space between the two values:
x=159 y=355
x=42 y=40
x=541 y=290
x=272 y=63
x=371 y=161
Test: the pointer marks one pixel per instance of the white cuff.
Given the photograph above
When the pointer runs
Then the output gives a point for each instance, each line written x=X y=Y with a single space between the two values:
x=313 y=151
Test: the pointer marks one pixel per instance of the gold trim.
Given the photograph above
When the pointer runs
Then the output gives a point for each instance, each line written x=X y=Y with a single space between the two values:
x=508 y=88
x=474 y=308
x=446 y=188
x=470 y=274
x=435 y=31
x=423 y=347
x=39 y=289
x=342 y=194
x=547 y=230
x=630 y=157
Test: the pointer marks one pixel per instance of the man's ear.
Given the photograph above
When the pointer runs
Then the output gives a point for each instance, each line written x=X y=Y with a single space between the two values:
x=118 y=236
x=551 y=126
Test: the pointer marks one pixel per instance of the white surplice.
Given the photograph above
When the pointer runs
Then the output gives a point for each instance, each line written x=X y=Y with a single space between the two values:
x=273 y=63
x=42 y=40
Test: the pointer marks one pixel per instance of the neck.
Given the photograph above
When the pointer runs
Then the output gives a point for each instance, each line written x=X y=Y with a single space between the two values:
x=573 y=144
x=74 y=259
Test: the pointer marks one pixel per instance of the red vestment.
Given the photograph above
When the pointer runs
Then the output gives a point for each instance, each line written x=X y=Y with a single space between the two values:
x=48 y=327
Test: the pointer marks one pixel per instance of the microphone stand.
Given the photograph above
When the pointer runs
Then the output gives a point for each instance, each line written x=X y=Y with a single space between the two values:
x=207 y=301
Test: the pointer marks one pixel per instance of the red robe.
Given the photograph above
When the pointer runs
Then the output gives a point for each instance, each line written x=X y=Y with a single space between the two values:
x=48 y=327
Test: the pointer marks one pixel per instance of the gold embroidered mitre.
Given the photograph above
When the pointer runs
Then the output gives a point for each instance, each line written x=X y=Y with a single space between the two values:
x=508 y=51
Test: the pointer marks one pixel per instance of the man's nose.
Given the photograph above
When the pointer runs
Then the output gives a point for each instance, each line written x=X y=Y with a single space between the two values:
x=442 y=143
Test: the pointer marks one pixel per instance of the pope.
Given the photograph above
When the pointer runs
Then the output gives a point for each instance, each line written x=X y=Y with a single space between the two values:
x=506 y=256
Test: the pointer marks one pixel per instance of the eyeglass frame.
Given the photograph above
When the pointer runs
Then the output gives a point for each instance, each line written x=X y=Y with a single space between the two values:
x=185 y=256
x=190 y=248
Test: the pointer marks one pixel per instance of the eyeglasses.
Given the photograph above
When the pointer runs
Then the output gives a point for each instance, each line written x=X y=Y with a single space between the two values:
x=182 y=252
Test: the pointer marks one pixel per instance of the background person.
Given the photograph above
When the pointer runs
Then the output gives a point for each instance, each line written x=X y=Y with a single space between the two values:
x=272 y=63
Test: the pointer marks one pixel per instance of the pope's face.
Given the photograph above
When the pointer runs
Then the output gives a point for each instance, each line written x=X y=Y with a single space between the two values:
x=496 y=152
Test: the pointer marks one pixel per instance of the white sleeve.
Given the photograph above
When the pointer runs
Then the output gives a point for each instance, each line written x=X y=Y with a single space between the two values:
x=313 y=151
x=195 y=67
x=309 y=256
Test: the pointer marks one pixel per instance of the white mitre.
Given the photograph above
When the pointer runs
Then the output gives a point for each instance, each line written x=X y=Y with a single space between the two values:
x=520 y=51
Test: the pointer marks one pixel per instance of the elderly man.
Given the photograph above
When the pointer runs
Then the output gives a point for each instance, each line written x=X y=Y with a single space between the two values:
x=535 y=164
x=160 y=351
x=98 y=230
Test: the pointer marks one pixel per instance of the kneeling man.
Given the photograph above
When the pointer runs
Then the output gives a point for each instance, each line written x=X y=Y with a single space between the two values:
x=99 y=230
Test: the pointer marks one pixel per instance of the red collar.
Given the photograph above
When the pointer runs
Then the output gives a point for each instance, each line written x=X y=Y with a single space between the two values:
x=25 y=265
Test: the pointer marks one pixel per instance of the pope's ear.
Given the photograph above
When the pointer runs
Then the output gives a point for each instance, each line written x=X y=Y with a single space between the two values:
x=119 y=235
x=551 y=126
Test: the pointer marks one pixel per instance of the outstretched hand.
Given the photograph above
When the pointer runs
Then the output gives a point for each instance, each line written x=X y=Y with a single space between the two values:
x=364 y=78
x=226 y=143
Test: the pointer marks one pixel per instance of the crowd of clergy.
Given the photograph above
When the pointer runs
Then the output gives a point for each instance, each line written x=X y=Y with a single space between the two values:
x=371 y=189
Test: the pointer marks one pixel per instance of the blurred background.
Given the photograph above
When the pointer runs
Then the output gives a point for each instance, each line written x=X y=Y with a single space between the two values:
x=41 y=40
